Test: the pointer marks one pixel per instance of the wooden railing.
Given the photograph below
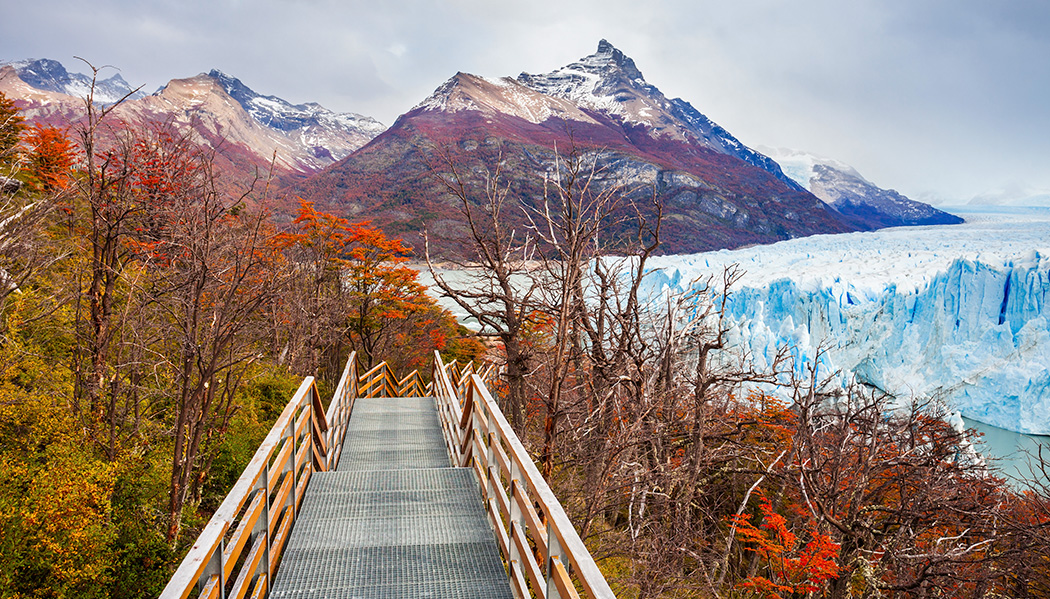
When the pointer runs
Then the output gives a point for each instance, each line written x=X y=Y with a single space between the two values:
x=380 y=381
x=237 y=553
x=239 y=550
x=545 y=556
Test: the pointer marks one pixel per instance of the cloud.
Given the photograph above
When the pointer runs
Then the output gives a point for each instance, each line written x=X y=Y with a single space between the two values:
x=940 y=96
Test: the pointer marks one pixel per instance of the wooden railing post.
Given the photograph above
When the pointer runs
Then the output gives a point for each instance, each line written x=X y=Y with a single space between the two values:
x=554 y=552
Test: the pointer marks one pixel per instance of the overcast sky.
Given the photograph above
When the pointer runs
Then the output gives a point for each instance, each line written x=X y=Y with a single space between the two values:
x=942 y=100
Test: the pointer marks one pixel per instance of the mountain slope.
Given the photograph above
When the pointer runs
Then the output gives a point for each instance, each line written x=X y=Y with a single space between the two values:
x=609 y=82
x=248 y=129
x=49 y=75
x=865 y=204
x=712 y=197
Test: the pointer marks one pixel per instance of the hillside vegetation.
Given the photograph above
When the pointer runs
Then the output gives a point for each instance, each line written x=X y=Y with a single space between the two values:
x=151 y=329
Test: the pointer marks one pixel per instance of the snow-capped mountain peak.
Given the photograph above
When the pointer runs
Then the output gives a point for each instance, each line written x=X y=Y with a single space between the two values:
x=609 y=82
x=282 y=115
x=606 y=81
x=252 y=128
x=503 y=96
x=50 y=75
x=841 y=186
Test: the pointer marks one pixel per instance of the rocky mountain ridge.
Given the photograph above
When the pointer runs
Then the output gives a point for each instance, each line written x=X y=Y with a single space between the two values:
x=866 y=204
x=249 y=128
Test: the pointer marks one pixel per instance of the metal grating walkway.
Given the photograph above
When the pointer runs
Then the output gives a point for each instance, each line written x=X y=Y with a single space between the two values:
x=394 y=520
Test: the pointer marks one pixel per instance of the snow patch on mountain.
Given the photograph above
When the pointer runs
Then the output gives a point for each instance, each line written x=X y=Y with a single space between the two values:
x=956 y=314
x=841 y=186
x=51 y=75
x=499 y=97
x=282 y=115
x=609 y=82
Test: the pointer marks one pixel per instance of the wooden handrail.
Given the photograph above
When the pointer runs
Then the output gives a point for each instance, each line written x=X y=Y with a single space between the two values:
x=237 y=552
x=523 y=510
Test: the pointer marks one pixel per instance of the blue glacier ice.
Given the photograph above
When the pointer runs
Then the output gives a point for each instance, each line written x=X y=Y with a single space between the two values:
x=959 y=314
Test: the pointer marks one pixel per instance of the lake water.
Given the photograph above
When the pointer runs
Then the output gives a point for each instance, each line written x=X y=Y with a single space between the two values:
x=1010 y=450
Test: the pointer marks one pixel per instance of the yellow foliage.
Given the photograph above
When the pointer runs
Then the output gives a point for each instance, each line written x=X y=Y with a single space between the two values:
x=55 y=506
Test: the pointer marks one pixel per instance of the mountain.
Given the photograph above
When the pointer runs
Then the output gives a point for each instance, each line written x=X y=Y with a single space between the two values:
x=863 y=203
x=49 y=75
x=715 y=191
x=247 y=128
x=609 y=82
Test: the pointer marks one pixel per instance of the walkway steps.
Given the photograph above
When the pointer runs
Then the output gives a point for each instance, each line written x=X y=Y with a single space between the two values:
x=394 y=520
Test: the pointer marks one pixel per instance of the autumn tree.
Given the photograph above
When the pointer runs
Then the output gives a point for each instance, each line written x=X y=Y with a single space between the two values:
x=784 y=566
x=26 y=247
x=51 y=158
x=353 y=290
x=894 y=486
x=1024 y=553
x=11 y=125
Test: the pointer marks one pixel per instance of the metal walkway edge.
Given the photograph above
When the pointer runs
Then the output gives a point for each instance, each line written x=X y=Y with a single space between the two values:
x=394 y=519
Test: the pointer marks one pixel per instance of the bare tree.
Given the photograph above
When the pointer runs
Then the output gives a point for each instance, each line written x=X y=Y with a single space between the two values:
x=497 y=289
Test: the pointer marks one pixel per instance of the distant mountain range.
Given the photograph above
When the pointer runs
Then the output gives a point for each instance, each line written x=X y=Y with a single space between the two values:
x=716 y=192
x=247 y=128
x=861 y=202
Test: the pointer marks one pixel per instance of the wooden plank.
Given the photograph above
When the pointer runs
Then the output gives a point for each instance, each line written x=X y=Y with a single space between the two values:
x=277 y=545
x=261 y=587
x=562 y=581
x=501 y=455
x=277 y=467
x=320 y=464
x=277 y=507
x=251 y=563
x=240 y=536
x=318 y=432
x=300 y=490
x=300 y=456
x=532 y=568
x=518 y=584
x=532 y=519
x=211 y=590
x=318 y=411
x=501 y=532
x=501 y=493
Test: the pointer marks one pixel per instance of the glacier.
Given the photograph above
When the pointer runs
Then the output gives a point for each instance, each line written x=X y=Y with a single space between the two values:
x=959 y=314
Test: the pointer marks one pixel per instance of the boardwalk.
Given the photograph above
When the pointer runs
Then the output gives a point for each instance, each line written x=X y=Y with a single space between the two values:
x=384 y=493
x=394 y=519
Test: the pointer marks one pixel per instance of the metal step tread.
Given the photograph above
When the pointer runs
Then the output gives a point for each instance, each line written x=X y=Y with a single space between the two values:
x=394 y=433
x=394 y=520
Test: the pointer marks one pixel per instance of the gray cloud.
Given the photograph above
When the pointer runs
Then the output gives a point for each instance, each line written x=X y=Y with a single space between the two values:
x=940 y=98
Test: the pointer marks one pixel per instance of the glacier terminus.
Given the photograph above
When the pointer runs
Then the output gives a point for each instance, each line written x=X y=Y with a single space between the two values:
x=957 y=314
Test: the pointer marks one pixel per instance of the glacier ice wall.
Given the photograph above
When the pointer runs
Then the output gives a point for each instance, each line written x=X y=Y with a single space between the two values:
x=973 y=331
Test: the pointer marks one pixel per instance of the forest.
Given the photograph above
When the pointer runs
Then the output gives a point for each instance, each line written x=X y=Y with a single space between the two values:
x=154 y=319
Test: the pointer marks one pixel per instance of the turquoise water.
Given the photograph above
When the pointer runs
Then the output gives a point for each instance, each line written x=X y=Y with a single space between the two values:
x=1011 y=451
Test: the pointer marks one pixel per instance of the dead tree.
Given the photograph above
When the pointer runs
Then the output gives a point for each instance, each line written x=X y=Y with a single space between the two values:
x=498 y=290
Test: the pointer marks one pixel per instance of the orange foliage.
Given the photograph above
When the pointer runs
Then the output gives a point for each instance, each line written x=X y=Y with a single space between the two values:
x=789 y=569
x=51 y=159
